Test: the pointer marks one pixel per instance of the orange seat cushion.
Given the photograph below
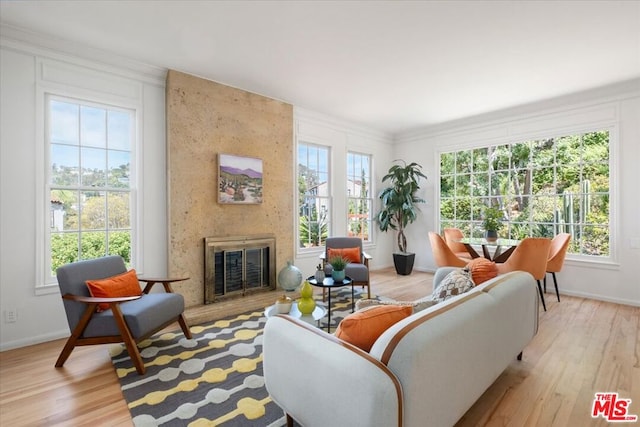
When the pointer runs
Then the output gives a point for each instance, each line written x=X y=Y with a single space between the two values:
x=482 y=270
x=122 y=285
x=363 y=327
x=351 y=254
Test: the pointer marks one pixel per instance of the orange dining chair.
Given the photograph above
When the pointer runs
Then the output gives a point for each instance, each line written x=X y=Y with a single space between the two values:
x=452 y=237
x=531 y=256
x=557 y=252
x=443 y=256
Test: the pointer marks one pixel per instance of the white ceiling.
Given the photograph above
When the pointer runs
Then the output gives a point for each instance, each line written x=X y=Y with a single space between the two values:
x=391 y=65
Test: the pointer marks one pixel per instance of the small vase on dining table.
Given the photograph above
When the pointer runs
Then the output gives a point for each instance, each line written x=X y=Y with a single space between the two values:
x=491 y=236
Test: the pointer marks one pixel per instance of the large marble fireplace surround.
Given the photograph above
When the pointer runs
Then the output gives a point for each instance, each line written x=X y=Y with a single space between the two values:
x=204 y=119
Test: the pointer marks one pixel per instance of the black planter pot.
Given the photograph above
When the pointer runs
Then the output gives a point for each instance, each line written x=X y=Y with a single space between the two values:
x=491 y=235
x=404 y=263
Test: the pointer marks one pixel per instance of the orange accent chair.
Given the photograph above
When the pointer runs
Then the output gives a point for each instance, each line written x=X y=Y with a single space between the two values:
x=531 y=256
x=444 y=256
x=557 y=253
x=452 y=237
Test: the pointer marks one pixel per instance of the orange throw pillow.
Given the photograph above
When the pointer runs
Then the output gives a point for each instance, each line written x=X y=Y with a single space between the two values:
x=122 y=285
x=363 y=327
x=351 y=254
x=482 y=270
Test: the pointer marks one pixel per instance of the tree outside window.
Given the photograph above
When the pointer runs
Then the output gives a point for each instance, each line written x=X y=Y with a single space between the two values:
x=314 y=203
x=359 y=195
x=544 y=187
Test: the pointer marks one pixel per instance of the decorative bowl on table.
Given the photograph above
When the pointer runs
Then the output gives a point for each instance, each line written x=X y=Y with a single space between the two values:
x=283 y=304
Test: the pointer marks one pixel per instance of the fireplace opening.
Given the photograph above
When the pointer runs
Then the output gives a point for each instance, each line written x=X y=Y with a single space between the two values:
x=238 y=266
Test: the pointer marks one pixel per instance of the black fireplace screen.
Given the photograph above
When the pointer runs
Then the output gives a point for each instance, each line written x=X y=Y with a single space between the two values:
x=237 y=266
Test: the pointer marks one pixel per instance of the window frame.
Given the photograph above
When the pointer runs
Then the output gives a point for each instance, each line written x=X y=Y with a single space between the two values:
x=351 y=178
x=612 y=130
x=46 y=283
x=325 y=208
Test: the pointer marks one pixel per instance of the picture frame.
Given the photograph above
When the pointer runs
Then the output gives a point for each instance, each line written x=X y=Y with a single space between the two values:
x=239 y=179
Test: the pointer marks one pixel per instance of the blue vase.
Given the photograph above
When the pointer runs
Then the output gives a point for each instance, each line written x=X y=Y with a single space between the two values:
x=290 y=277
x=338 y=276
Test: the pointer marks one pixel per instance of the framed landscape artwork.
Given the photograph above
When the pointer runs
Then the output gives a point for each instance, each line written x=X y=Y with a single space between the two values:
x=239 y=179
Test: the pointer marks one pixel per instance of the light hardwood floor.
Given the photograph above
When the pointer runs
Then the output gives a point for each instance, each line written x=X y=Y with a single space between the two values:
x=582 y=347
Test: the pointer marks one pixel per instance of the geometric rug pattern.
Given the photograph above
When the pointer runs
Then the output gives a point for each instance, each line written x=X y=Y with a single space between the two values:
x=213 y=379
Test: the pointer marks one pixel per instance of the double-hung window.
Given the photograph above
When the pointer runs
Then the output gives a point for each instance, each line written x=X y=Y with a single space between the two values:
x=359 y=200
x=543 y=187
x=314 y=189
x=89 y=180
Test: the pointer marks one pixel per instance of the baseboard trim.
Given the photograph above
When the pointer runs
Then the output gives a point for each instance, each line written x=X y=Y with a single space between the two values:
x=39 y=339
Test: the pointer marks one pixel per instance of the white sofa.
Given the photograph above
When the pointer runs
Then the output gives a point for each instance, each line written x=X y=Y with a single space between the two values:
x=426 y=370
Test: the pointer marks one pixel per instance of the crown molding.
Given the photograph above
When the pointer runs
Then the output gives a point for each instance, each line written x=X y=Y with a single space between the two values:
x=340 y=125
x=45 y=46
x=619 y=91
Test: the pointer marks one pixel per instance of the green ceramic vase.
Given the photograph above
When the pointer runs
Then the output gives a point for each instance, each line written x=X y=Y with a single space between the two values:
x=306 y=303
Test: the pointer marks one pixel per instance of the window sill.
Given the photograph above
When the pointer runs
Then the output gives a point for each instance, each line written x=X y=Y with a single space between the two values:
x=592 y=263
x=48 y=289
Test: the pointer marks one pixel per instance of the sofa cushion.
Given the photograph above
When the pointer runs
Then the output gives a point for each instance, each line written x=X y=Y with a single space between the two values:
x=351 y=254
x=455 y=283
x=482 y=270
x=122 y=285
x=363 y=327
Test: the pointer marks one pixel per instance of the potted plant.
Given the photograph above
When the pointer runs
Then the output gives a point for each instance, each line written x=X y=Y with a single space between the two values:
x=399 y=208
x=338 y=263
x=491 y=222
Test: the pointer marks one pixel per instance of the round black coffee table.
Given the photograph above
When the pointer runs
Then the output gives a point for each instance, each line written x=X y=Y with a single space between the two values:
x=328 y=283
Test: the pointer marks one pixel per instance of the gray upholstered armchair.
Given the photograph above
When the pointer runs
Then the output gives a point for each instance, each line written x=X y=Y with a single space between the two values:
x=128 y=319
x=358 y=272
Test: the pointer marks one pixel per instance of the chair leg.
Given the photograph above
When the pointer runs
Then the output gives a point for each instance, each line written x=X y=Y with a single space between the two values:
x=127 y=338
x=289 y=420
x=184 y=326
x=75 y=334
x=66 y=351
x=555 y=283
x=541 y=295
x=545 y=283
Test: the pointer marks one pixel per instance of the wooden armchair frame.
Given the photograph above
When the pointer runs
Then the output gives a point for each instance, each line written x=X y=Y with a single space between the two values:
x=125 y=336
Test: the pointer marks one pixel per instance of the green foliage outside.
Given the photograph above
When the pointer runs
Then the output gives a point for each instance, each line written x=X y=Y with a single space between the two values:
x=64 y=247
x=313 y=223
x=86 y=217
x=542 y=188
x=359 y=208
x=313 y=231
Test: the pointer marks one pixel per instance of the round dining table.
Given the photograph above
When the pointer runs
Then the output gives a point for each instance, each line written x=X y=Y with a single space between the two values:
x=498 y=254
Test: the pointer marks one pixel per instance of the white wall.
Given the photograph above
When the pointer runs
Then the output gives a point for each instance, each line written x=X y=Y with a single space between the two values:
x=25 y=71
x=342 y=137
x=617 y=106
